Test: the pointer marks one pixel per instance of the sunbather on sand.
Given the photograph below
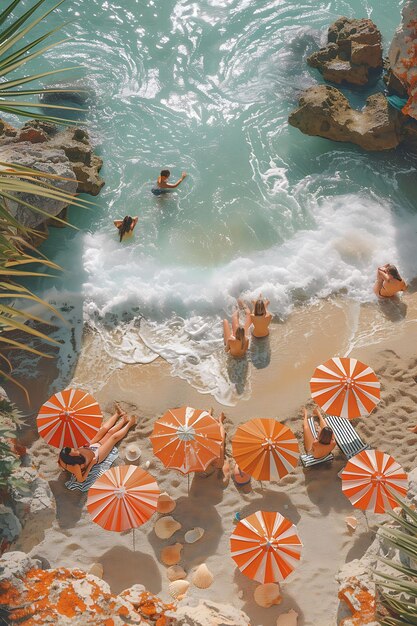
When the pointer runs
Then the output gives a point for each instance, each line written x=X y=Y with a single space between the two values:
x=261 y=317
x=235 y=340
x=324 y=444
x=388 y=281
x=79 y=461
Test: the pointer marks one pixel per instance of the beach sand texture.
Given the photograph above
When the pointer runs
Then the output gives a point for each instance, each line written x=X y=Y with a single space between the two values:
x=312 y=499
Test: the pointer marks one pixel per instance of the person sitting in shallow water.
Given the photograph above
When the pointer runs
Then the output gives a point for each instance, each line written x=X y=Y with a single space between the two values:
x=235 y=340
x=325 y=442
x=126 y=226
x=162 y=184
x=388 y=281
x=79 y=461
x=261 y=317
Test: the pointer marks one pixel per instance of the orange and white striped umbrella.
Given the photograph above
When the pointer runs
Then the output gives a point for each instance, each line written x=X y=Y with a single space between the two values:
x=187 y=439
x=371 y=479
x=266 y=547
x=265 y=449
x=124 y=497
x=69 y=418
x=345 y=387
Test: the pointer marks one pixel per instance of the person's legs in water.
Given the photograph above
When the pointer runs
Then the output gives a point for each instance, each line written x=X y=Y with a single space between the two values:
x=227 y=333
x=235 y=321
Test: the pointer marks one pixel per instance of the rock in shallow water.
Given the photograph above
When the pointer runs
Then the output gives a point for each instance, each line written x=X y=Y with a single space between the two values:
x=325 y=112
x=353 y=51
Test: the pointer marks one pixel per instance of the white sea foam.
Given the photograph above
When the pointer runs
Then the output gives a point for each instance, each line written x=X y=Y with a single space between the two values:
x=175 y=311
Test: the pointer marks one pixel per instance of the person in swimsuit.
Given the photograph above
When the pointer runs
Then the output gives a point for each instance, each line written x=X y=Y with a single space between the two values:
x=388 y=281
x=163 y=186
x=126 y=226
x=79 y=461
x=235 y=340
x=261 y=317
x=325 y=442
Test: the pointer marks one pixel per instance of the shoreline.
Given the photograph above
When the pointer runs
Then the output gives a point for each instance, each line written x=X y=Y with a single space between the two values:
x=312 y=499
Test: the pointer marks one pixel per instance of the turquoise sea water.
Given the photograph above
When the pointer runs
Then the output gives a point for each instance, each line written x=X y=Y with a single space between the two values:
x=207 y=87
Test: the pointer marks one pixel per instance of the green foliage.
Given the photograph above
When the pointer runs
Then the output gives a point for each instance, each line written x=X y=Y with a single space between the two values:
x=18 y=257
x=398 y=591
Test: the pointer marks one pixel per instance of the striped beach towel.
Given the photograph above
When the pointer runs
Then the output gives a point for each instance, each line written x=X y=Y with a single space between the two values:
x=96 y=471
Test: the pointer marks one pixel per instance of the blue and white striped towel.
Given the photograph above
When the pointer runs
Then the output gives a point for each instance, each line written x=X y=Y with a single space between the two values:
x=95 y=472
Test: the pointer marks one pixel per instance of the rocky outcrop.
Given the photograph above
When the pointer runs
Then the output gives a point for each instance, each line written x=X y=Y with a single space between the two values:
x=43 y=159
x=208 y=613
x=33 y=503
x=357 y=589
x=68 y=154
x=402 y=57
x=30 y=595
x=324 y=111
x=352 y=54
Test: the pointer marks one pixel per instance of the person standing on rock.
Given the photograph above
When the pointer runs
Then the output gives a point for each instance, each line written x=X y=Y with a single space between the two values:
x=162 y=184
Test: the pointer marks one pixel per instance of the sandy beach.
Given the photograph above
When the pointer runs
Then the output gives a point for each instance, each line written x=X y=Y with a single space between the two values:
x=312 y=499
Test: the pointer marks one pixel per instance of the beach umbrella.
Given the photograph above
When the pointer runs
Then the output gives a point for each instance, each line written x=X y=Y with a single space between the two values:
x=266 y=547
x=122 y=498
x=372 y=479
x=265 y=449
x=69 y=418
x=345 y=387
x=187 y=439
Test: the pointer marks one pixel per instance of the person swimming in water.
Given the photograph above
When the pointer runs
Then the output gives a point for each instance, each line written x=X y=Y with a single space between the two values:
x=163 y=186
x=261 y=317
x=235 y=340
x=126 y=226
x=388 y=281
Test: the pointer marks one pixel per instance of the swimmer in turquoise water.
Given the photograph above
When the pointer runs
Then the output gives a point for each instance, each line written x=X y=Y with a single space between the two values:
x=126 y=226
x=163 y=186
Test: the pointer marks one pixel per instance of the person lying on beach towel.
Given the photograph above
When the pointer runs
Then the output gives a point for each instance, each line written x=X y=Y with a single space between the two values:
x=388 y=281
x=126 y=226
x=162 y=184
x=325 y=442
x=235 y=340
x=261 y=317
x=79 y=461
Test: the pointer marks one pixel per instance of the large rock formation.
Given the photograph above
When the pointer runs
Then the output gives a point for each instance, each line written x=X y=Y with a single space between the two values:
x=30 y=595
x=324 y=111
x=353 y=52
x=403 y=57
x=68 y=154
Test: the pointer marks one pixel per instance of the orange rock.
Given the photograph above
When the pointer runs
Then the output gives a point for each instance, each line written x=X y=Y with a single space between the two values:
x=360 y=602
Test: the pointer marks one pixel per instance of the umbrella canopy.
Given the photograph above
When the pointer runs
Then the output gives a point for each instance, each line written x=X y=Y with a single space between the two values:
x=345 y=387
x=371 y=479
x=69 y=418
x=266 y=546
x=187 y=439
x=124 y=497
x=265 y=449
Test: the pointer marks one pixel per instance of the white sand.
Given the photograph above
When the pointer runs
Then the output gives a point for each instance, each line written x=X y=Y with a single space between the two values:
x=312 y=499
